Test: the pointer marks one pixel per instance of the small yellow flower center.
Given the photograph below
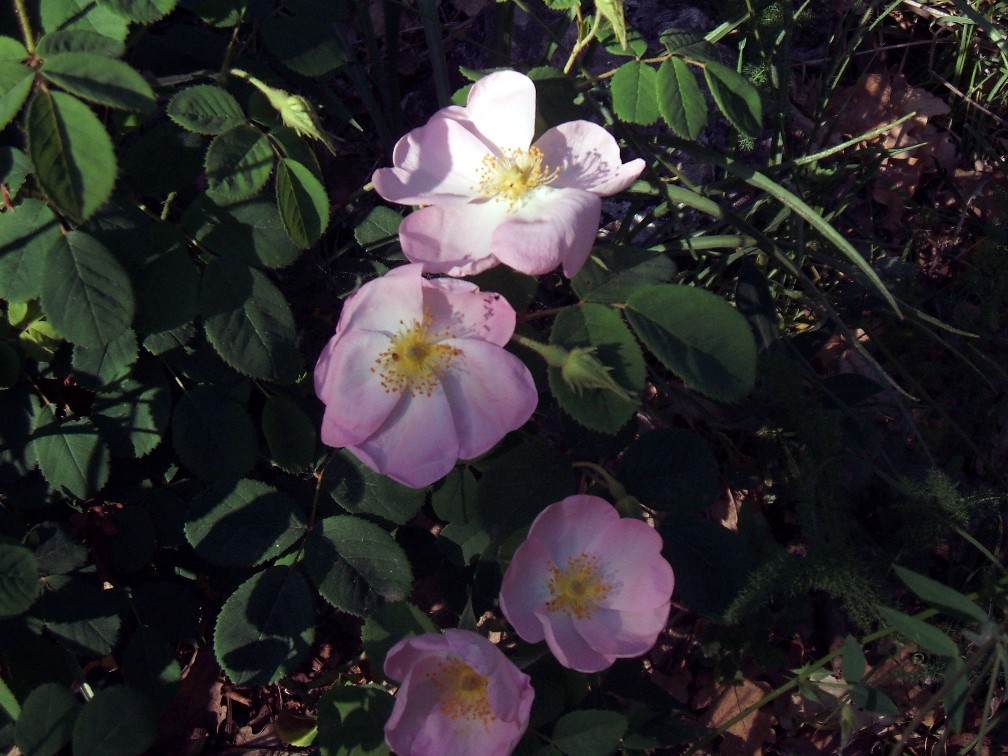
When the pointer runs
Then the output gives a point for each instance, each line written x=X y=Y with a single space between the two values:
x=416 y=359
x=513 y=174
x=579 y=588
x=462 y=692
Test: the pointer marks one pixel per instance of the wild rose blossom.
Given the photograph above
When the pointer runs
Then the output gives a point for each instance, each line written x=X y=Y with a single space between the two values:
x=491 y=196
x=416 y=376
x=458 y=695
x=592 y=584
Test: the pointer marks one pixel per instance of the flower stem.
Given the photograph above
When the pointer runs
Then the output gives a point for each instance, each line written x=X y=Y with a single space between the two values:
x=582 y=42
x=24 y=21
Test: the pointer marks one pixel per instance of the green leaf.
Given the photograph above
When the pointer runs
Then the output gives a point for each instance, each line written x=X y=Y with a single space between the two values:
x=387 y=625
x=205 y=109
x=873 y=700
x=303 y=203
x=612 y=274
x=141 y=11
x=85 y=618
x=854 y=663
x=680 y=101
x=351 y=720
x=47 y=720
x=79 y=40
x=688 y=44
x=14 y=169
x=27 y=231
x=84 y=15
x=593 y=732
x=698 y=336
x=11 y=50
x=149 y=666
x=356 y=564
x=957 y=696
x=133 y=415
x=116 y=722
x=928 y=637
x=238 y=164
x=265 y=628
x=163 y=159
x=249 y=322
x=19 y=578
x=290 y=434
x=15 y=84
x=736 y=97
x=251 y=232
x=86 y=295
x=72 y=153
x=71 y=455
x=941 y=596
x=213 y=435
x=360 y=490
x=598 y=326
x=304 y=45
x=243 y=523
x=672 y=470
x=106 y=81
x=633 y=93
x=58 y=550
x=380 y=225
x=103 y=365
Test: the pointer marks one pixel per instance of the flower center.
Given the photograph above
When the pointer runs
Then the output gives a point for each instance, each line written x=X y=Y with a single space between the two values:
x=462 y=692
x=513 y=174
x=578 y=588
x=415 y=360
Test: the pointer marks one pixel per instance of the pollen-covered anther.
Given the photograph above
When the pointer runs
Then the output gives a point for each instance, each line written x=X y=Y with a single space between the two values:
x=578 y=588
x=513 y=173
x=416 y=359
x=462 y=692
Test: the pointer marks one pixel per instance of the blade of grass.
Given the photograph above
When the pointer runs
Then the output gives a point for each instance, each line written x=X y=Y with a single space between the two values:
x=435 y=45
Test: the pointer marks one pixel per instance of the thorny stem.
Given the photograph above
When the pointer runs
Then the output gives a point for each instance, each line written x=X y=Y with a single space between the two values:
x=582 y=42
x=24 y=21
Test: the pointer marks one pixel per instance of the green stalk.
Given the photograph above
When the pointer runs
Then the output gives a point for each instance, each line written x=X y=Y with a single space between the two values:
x=24 y=21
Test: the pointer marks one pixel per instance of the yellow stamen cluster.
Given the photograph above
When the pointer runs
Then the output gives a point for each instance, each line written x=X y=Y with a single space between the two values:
x=462 y=692
x=416 y=359
x=578 y=588
x=512 y=174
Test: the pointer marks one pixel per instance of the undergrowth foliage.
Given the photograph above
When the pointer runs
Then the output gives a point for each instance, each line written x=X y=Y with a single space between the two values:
x=185 y=208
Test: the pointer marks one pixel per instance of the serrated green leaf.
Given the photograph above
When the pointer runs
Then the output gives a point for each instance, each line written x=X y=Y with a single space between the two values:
x=736 y=97
x=356 y=564
x=853 y=663
x=928 y=637
x=672 y=470
x=380 y=225
x=687 y=43
x=243 y=523
x=57 y=548
x=351 y=720
x=205 y=109
x=87 y=15
x=40 y=340
x=27 y=231
x=265 y=628
x=86 y=294
x=612 y=11
x=633 y=93
x=293 y=146
x=213 y=435
x=680 y=101
x=290 y=434
x=14 y=169
x=141 y=11
x=387 y=625
x=11 y=50
x=106 y=81
x=85 y=618
x=304 y=206
x=612 y=274
x=599 y=327
x=360 y=490
x=941 y=596
x=249 y=322
x=168 y=285
x=103 y=365
x=116 y=722
x=15 y=84
x=72 y=153
x=71 y=455
x=149 y=666
x=163 y=159
x=304 y=45
x=250 y=232
x=49 y=713
x=238 y=164
x=133 y=415
x=79 y=40
x=19 y=578
x=698 y=336
x=594 y=732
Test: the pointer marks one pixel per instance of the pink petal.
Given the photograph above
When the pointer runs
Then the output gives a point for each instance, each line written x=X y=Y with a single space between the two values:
x=467 y=312
x=570 y=527
x=417 y=445
x=588 y=158
x=491 y=393
x=452 y=238
x=623 y=634
x=384 y=304
x=569 y=648
x=356 y=403
x=553 y=226
x=525 y=589
x=502 y=106
x=643 y=578
x=435 y=163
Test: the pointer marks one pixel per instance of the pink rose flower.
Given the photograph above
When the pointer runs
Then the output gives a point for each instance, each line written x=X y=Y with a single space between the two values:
x=416 y=376
x=458 y=695
x=492 y=198
x=592 y=584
